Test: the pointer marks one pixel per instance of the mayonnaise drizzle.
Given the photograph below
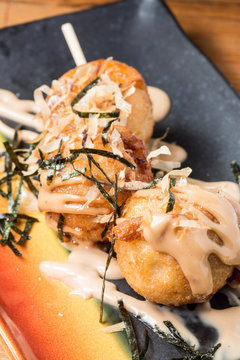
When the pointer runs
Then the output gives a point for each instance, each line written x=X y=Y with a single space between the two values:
x=161 y=103
x=191 y=245
x=83 y=273
x=12 y=108
x=227 y=323
x=67 y=203
x=17 y=110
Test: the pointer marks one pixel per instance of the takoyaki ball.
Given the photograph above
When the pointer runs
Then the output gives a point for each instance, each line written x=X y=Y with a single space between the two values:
x=157 y=275
x=85 y=209
x=131 y=89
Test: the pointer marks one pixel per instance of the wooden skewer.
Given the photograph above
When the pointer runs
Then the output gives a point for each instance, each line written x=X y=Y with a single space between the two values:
x=73 y=44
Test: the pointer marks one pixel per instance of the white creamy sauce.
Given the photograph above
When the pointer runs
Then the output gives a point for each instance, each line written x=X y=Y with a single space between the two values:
x=161 y=103
x=85 y=266
x=15 y=109
x=12 y=108
x=226 y=187
x=83 y=273
x=188 y=240
x=227 y=323
x=19 y=111
x=167 y=162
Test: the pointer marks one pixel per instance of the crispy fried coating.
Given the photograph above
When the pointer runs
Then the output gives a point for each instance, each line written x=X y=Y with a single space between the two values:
x=84 y=207
x=156 y=275
x=140 y=120
x=83 y=227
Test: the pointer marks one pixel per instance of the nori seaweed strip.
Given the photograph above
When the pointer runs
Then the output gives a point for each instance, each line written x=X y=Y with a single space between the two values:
x=101 y=115
x=82 y=171
x=85 y=136
x=47 y=163
x=175 y=338
x=42 y=157
x=8 y=223
x=15 y=141
x=103 y=234
x=110 y=255
x=60 y=226
x=132 y=339
x=111 y=251
x=100 y=168
x=3 y=194
x=105 y=131
x=13 y=248
x=52 y=169
x=8 y=170
x=145 y=346
x=103 y=153
x=27 y=217
x=171 y=200
x=25 y=234
x=99 y=185
x=19 y=168
x=14 y=158
x=83 y=92
x=72 y=174
x=3 y=216
x=33 y=189
x=31 y=148
x=16 y=229
x=236 y=171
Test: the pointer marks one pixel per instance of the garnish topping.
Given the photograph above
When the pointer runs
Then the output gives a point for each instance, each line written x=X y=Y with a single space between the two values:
x=105 y=153
x=87 y=114
x=9 y=222
x=12 y=159
x=32 y=147
x=175 y=338
x=137 y=354
x=105 y=131
x=171 y=200
x=60 y=226
x=172 y=337
x=54 y=166
x=101 y=115
x=85 y=90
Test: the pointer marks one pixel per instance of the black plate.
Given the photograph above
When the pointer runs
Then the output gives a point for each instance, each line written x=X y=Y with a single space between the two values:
x=204 y=118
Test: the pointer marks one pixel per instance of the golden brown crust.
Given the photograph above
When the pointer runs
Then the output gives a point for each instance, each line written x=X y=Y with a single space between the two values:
x=77 y=228
x=155 y=275
x=88 y=230
x=140 y=120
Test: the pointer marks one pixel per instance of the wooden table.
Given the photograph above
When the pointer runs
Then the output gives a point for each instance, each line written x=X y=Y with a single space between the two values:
x=213 y=25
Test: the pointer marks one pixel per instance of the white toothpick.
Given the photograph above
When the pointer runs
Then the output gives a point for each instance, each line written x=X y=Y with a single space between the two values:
x=73 y=44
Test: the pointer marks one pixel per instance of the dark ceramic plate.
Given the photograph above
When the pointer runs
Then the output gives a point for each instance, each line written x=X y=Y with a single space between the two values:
x=205 y=111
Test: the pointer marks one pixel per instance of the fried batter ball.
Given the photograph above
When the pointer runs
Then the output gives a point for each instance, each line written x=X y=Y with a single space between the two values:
x=131 y=84
x=157 y=275
x=86 y=211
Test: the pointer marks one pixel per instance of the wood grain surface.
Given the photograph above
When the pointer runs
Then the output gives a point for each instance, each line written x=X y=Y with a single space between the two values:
x=213 y=25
